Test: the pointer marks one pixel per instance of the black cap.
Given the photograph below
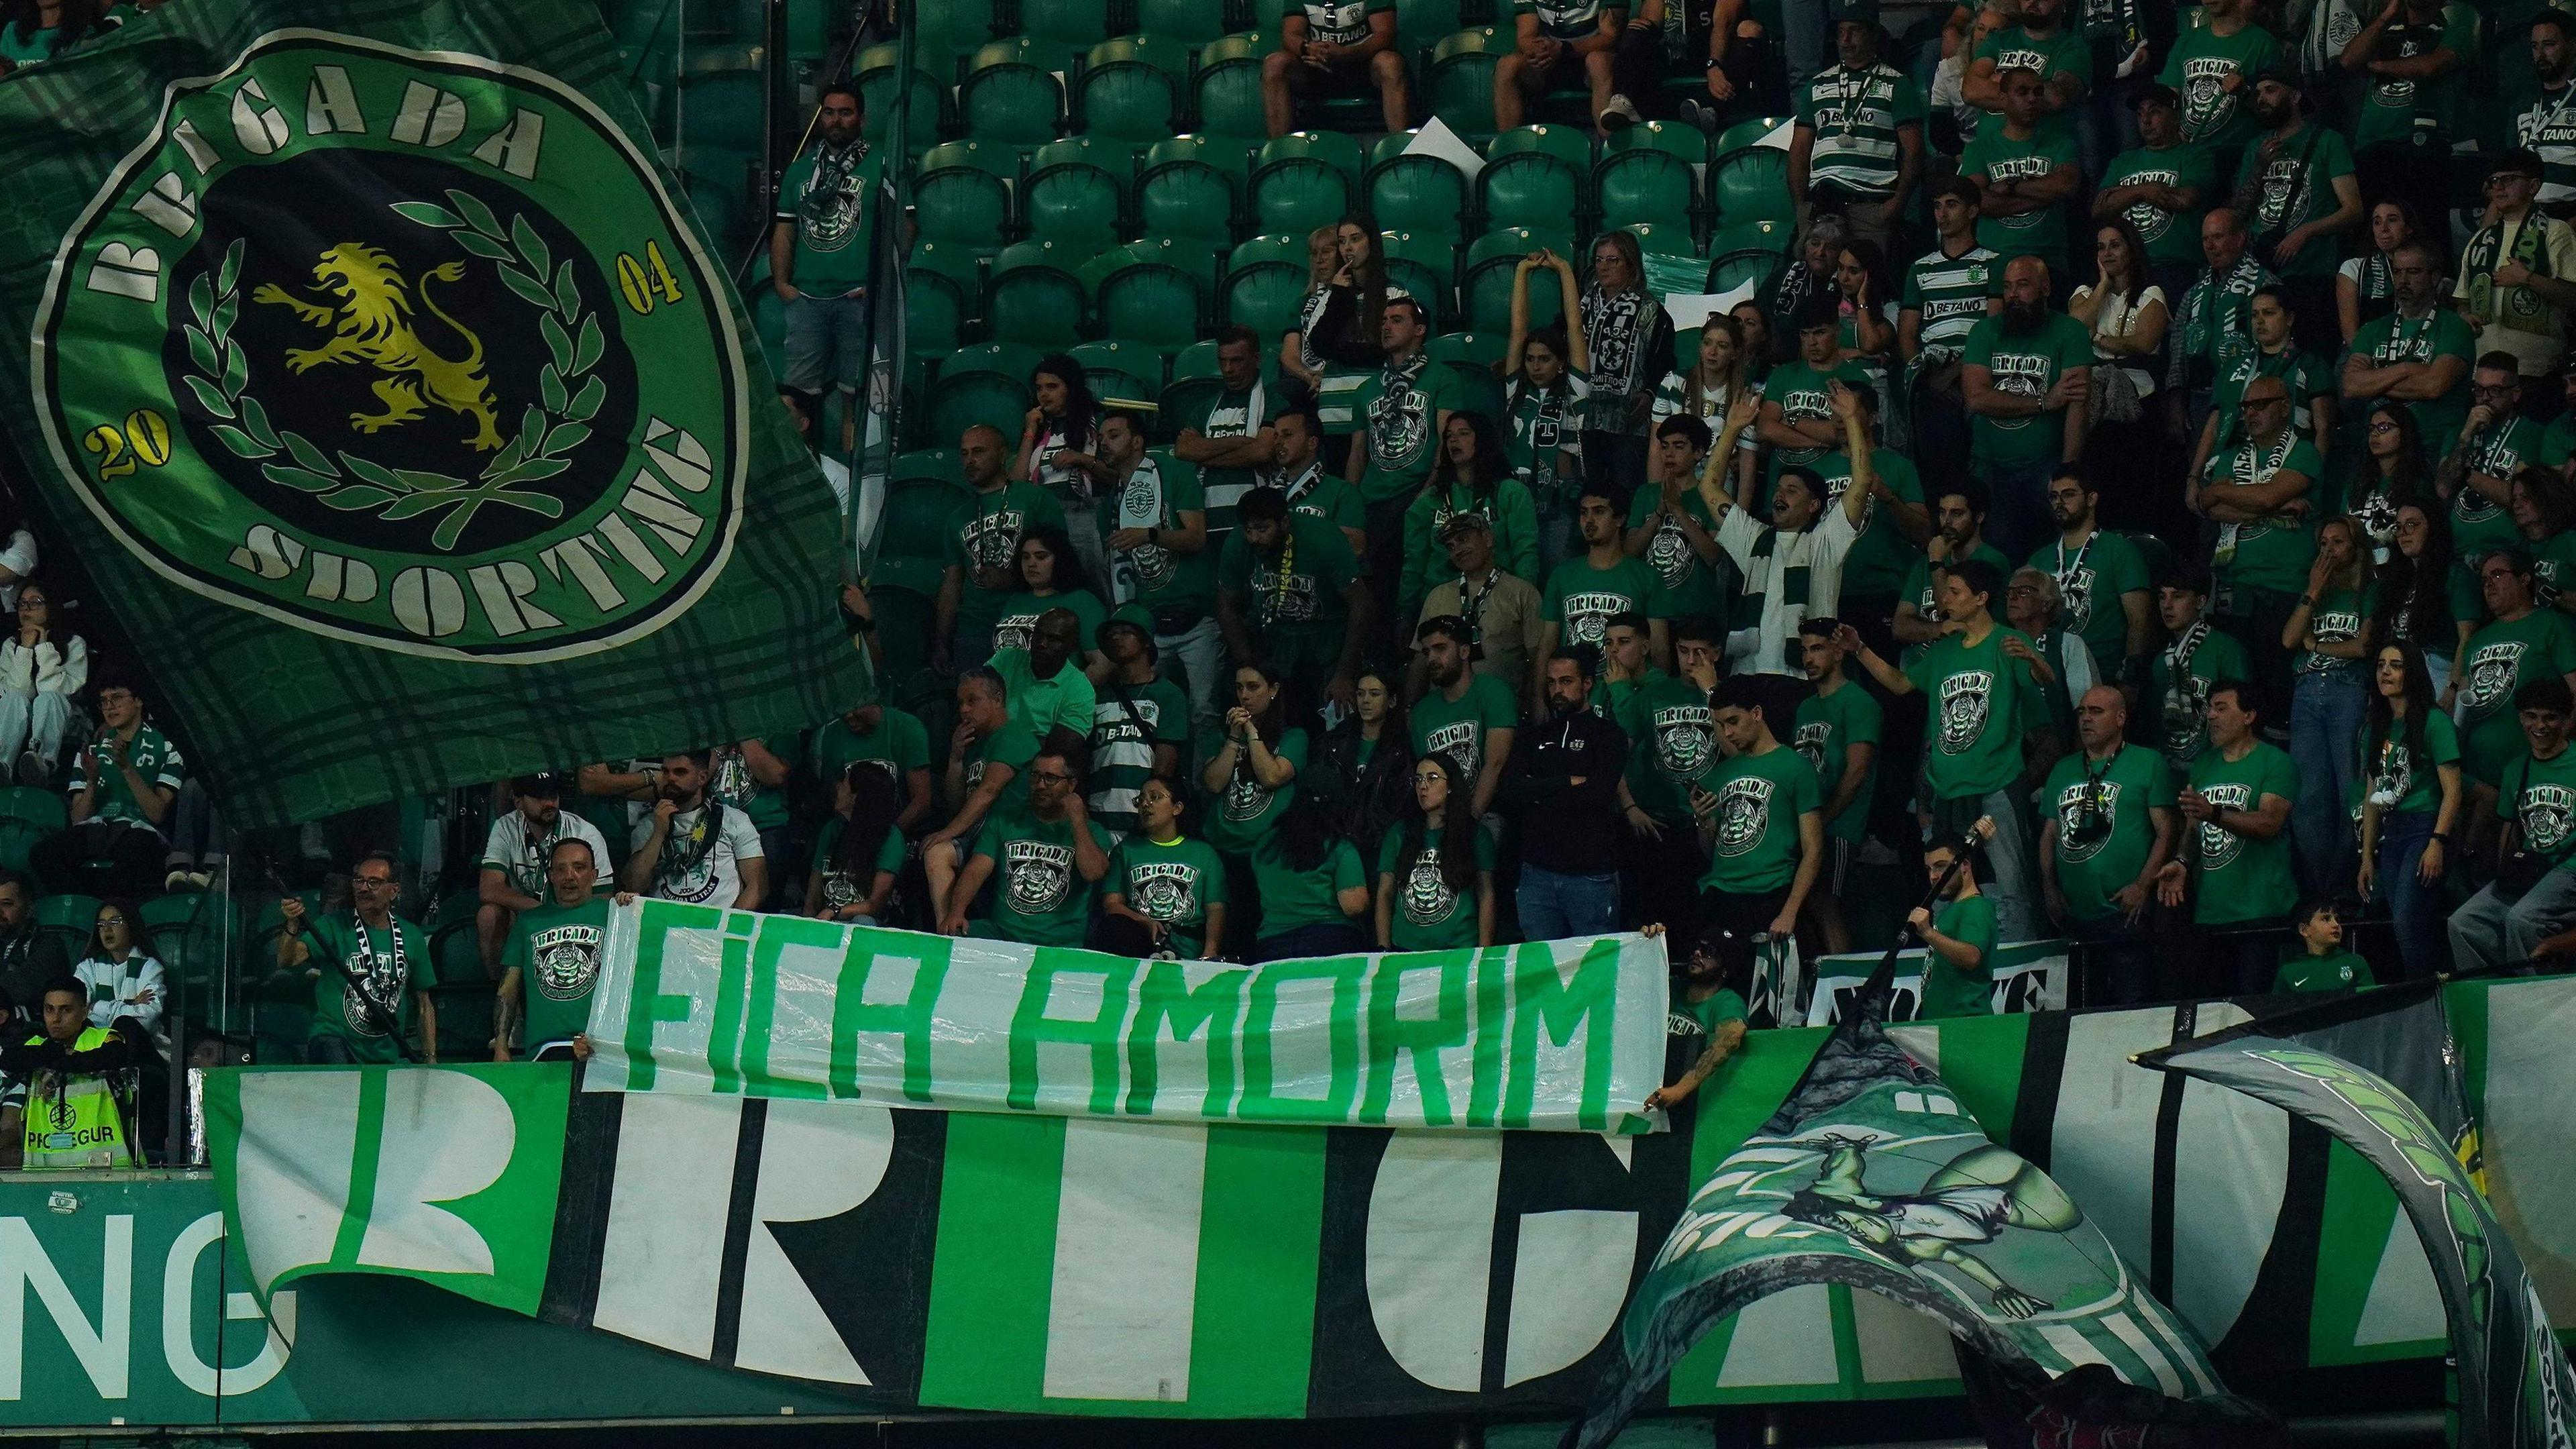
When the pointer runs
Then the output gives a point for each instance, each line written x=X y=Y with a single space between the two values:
x=2282 y=72
x=543 y=785
x=2165 y=96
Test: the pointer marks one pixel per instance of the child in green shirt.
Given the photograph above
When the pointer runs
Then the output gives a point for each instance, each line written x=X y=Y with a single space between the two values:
x=2323 y=964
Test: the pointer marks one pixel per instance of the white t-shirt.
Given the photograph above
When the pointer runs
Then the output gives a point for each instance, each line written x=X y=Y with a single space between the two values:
x=2118 y=317
x=510 y=848
x=703 y=872
x=18 y=558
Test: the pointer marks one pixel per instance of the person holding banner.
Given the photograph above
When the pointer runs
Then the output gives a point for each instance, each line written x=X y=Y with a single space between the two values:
x=1706 y=1024
x=1165 y=893
x=557 y=945
x=1422 y=894
x=1049 y=860
x=514 y=860
x=370 y=970
x=1959 y=940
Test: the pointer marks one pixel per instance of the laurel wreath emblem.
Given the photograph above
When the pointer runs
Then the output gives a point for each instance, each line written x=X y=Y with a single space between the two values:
x=570 y=394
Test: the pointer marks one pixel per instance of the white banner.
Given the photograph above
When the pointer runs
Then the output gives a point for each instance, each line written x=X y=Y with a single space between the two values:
x=1548 y=1036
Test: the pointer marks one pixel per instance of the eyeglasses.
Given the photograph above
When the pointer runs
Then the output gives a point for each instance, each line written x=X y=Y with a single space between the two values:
x=111 y=920
x=1057 y=777
x=2482 y=389
x=2383 y=425
x=375 y=882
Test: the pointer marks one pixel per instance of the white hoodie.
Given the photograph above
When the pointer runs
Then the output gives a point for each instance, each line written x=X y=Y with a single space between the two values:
x=52 y=667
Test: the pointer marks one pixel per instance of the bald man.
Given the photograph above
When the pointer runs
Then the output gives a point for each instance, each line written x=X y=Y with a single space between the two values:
x=2110 y=827
x=983 y=534
x=2025 y=377
x=2260 y=565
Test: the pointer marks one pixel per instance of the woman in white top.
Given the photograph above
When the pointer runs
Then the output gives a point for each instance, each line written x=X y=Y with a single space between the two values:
x=41 y=669
x=2127 y=316
x=17 y=561
x=1722 y=373
x=122 y=980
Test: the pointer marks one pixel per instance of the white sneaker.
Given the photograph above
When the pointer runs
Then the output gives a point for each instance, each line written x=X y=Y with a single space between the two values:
x=1618 y=114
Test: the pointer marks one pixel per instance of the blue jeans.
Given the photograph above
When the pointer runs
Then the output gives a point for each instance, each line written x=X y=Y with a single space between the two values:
x=824 y=338
x=1558 y=907
x=2126 y=958
x=2416 y=906
x=2325 y=719
x=1806 y=39
x=2018 y=521
x=1324 y=938
x=1199 y=651
x=330 y=1051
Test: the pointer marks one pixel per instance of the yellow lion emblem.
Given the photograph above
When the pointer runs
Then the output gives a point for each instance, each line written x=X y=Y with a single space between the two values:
x=371 y=323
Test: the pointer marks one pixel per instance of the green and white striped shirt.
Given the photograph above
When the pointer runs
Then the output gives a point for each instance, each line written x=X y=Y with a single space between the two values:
x=1950 y=293
x=1855 y=116
x=2547 y=127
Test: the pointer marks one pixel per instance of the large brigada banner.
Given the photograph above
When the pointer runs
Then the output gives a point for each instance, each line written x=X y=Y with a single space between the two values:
x=369 y=358
x=1545 y=1036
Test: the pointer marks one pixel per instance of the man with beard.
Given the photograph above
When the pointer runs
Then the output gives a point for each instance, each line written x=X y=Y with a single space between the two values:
x=983 y=538
x=1505 y=634
x=1761 y=817
x=2195 y=658
x=1566 y=779
x=2260 y=496
x=692 y=848
x=820 y=246
x=2161 y=184
x=1797 y=421
x=2214 y=331
x=1289 y=590
x=1155 y=526
x=1141 y=726
x=893 y=738
x=1858 y=142
x=1837 y=732
x=2235 y=866
x=2520 y=644
x=370 y=969
x=2518 y=273
x=2544 y=118
x=1948 y=290
x=1958 y=535
x=1050 y=860
x=1988 y=743
x=2418 y=354
x=1311 y=492
x=1793 y=565
x=2107 y=830
x=2305 y=198
x=1668 y=522
x=2496 y=443
x=2410 y=55
x=2059 y=60
x=2276 y=353
x=2101 y=580
x=1587 y=589
x=2025 y=170
x=1468 y=716
x=2027 y=374
x=2533 y=896
x=515 y=856
x=2213 y=66
x=1707 y=1021
x=557 y=947
x=1672 y=740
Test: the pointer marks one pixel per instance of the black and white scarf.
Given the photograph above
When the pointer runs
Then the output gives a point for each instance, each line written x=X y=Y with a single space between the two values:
x=1619 y=331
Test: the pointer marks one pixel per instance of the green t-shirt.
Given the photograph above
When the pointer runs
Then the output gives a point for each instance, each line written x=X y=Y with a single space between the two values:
x=2275 y=551
x=2558 y=441
x=1172 y=882
x=1854 y=116
x=556 y=952
x=731 y=781
x=2241 y=878
x=1426 y=915
x=1335 y=22
x=2171 y=236
x=1949 y=294
x=2499 y=451
x=845 y=888
x=1951 y=991
x=1672 y=741
x=2500 y=660
x=2182 y=697
x=984 y=532
x=1711 y=1011
x=1923 y=588
x=1123 y=737
x=2201 y=64
x=1306 y=604
x=2093 y=583
x=1290 y=899
x=1010 y=745
x=1982 y=701
x=2104 y=831
x=2421 y=111
x=1692 y=586
x=2398 y=780
x=2025 y=366
x=898 y=739
x=1994 y=156
x=832 y=198
x=2337 y=618
x=1581 y=599
x=1039 y=896
x=2539 y=796
x=1243 y=815
x=1880 y=555
x=1806 y=396
x=1759 y=800
x=1401 y=427
x=2394 y=339
x=2294 y=193
x=2065 y=53
x=1828 y=726
x=2554 y=571
x=1461 y=726
x=363 y=969
x=1018 y=622
x=1178 y=585
x=1333 y=500
x=1042 y=705
x=2303 y=972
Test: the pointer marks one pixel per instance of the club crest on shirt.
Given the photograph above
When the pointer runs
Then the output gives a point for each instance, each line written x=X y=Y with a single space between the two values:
x=1428 y=901
x=1811 y=741
x=1743 y=813
x=1669 y=555
x=565 y=960
x=1463 y=741
x=1966 y=697
x=1164 y=890
x=2492 y=670
x=1587 y=615
x=1037 y=874
x=2080 y=838
x=1685 y=738
x=2547 y=813
x=2218 y=845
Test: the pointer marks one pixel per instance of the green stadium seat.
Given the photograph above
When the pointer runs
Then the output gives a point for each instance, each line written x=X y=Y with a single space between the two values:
x=986 y=384
x=941 y=288
x=1195 y=379
x=1645 y=174
x=1076 y=192
x=1491 y=259
x=1664 y=239
x=1472 y=356
x=1534 y=176
x=1125 y=374
x=1228 y=86
x=1035 y=295
x=1188 y=188
x=1747 y=253
x=187 y=944
x=28 y=818
x=720 y=97
x=1010 y=95
x=1130 y=89
x=1460 y=80
x=1423 y=194
x=876 y=72
x=68 y=918
x=1751 y=184
x=1302 y=181
x=1747 y=133
x=1193 y=22
x=1426 y=267
x=1069 y=28
x=1154 y=291
x=1422 y=24
x=962 y=194
x=1265 y=284
x=459 y=963
x=912 y=552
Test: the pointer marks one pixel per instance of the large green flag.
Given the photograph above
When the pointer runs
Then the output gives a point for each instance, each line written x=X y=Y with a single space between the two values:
x=395 y=403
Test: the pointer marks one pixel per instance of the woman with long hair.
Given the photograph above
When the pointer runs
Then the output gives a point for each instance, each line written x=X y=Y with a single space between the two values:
x=1051 y=576
x=1629 y=337
x=1423 y=889
x=2411 y=794
x=1060 y=452
x=1760 y=340
x=1313 y=892
x=1723 y=370
x=2424 y=598
x=122 y=978
x=43 y=668
x=1362 y=766
x=2329 y=633
x=2128 y=315
x=2389 y=474
x=1346 y=333
x=1299 y=357
x=1472 y=475
x=2365 y=289
x=1861 y=295
x=1165 y=893
x=860 y=850
x=1249 y=780
x=1547 y=368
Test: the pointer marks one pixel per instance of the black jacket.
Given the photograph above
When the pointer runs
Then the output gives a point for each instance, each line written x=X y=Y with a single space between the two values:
x=1568 y=828
x=1364 y=801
